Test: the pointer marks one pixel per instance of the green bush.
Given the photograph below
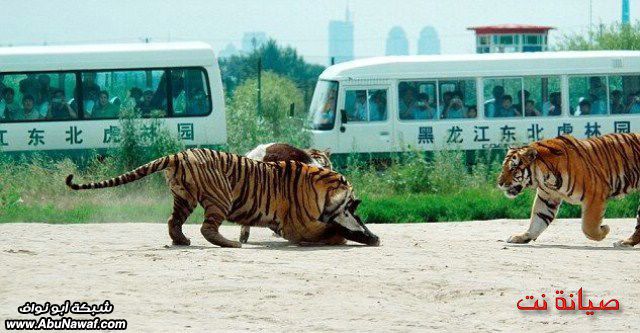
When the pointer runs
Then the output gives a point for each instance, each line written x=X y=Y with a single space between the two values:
x=248 y=127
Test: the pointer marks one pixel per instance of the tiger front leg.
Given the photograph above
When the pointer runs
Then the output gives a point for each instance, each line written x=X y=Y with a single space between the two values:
x=542 y=214
x=244 y=234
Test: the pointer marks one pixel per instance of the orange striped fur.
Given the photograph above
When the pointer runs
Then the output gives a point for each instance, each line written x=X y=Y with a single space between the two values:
x=582 y=172
x=304 y=203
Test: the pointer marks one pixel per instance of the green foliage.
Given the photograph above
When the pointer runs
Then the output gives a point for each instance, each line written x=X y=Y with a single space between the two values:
x=284 y=61
x=615 y=36
x=246 y=128
x=142 y=143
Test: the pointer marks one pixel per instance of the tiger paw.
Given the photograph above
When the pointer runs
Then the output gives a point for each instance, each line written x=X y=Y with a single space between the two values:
x=182 y=242
x=519 y=239
x=622 y=244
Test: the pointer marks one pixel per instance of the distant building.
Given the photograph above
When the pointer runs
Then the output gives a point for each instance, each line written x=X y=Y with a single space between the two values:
x=625 y=11
x=397 y=42
x=228 y=51
x=341 y=39
x=429 y=42
x=252 y=41
x=511 y=38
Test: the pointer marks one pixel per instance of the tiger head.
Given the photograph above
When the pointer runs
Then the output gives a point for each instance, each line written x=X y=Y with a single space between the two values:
x=516 y=172
x=321 y=157
x=340 y=210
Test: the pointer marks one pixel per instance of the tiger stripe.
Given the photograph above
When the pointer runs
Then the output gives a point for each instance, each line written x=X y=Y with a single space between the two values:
x=289 y=196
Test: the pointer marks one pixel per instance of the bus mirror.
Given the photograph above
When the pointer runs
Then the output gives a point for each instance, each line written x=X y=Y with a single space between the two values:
x=343 y=116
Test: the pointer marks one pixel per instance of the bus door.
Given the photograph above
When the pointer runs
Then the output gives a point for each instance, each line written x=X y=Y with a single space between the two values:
x=364 y=121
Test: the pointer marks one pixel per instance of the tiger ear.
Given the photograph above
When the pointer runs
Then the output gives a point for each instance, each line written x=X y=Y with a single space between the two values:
x=328 y=152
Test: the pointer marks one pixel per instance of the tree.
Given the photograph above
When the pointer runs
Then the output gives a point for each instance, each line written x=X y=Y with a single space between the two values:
x=616 y=36
x=246 y=128
x=280 y=60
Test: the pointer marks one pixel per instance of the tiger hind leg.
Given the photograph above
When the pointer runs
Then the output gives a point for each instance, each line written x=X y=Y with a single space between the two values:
x=592 y=215
x=634 y=239
x=244 y=234
x=213 y=217
x=182 y=208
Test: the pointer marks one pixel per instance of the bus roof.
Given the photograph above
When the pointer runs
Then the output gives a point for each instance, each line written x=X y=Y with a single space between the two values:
x=103 y=56
x=492 y=64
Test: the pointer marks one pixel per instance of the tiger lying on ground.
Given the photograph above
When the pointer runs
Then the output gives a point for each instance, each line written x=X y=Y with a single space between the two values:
x=585 y=172
x=304 y=203
x=275 y=152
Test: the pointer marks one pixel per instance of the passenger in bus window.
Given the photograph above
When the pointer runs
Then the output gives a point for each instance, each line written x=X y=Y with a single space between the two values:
x=506 y=108
x=584 y=108
x=30 y=85
x=28 y=111
x=328 y=112
x=530 y=109
x=617 y=105
x=634 y=103
x=44 y=94
x=358 y=111
x=146 y=105
x=407 y=99
x=553 y=107
x=197 y=102
x=445 y=103
x=159 y=100
x=104 y=108
x=59 y=107
x=472 y=111
x=11 y=106
x=597 y=95
x=492 y=106
x=134 y=99
x=422 y=110
x=455 y=109
x=378 y=106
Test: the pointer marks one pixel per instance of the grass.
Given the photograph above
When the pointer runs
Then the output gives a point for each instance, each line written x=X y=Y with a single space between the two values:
x=408 y=190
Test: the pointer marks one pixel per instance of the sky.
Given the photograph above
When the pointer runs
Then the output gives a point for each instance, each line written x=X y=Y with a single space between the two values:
x=302 y=24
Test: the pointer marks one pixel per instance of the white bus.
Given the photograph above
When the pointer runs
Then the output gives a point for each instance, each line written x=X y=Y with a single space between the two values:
x=69 y=97
x=474 y=101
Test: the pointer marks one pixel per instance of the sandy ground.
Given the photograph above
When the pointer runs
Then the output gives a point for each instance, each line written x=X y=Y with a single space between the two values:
x=447 y=276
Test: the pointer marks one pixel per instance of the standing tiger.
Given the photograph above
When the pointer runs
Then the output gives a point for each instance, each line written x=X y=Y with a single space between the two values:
x=304 y=203
x=276 y=152
x=585 y=172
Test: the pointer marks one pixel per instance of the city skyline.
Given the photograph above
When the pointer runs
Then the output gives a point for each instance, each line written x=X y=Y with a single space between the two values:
x=301 y=24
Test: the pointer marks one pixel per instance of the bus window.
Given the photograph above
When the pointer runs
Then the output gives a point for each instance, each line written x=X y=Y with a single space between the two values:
x=356 y=105
x=105 y=93
x=542 y=96
x=503 y=97
x=417 y=100
x=38 y=96
x=194 y=101
x=588 y=95
x=458 y=99
x=624 y=94
x=377 y=99
x=322 y=111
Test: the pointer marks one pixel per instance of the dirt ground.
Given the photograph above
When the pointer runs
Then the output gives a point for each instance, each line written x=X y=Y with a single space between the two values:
x=445 y=276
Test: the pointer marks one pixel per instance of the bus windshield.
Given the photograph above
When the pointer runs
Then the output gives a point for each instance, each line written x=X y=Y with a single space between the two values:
x=322 y=112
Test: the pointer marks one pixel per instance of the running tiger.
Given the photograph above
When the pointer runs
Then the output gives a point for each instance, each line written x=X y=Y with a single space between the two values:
x=304 y=203
x=276 y=152
x=585 y=172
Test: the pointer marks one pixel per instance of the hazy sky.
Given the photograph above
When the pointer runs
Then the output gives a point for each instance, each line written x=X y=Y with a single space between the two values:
x=299 y=23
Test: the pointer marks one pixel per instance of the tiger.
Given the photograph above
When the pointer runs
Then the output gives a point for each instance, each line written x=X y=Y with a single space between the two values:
x=306 y=204
x=275 y=152
x=581 y=172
